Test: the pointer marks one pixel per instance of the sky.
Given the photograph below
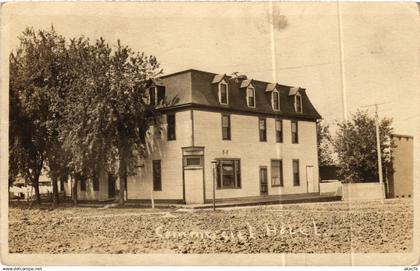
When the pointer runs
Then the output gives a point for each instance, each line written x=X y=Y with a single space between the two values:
x=364 y=53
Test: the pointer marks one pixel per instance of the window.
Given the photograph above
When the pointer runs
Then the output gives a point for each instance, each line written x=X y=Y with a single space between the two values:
x=226 y=127
x=295 y=135
x=82 y=180
x=153 y=95
x=228 y=174
x=298 y=103
x=193 y=161
x=263 y=129
x=171 y=126
x=95 y=180
x=276 y=173
x=250 y=96
x=223 y=93
x=275 y=100
x=296 y=178
x=157 y=176
x=279 y=131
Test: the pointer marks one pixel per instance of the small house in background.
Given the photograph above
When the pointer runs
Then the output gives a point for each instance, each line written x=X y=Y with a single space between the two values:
x=400 y=177
x=328 y=173
x=24 y=190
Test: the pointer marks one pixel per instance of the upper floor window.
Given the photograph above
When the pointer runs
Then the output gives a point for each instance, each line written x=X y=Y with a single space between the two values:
x=298 y=103
x=226 y=127
x=223 y=93
x=262 y=125
x=170 y=118
x=250 y=96
x=153 y=95
x=275 y=99
x=295 y=134
x=279 y=131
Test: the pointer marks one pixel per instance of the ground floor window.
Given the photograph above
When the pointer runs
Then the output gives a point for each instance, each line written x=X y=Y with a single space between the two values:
x=157 y=176
x=228 y=173
x=276 y=172
x=296 y=177
x=95 y=180
x=82 y=180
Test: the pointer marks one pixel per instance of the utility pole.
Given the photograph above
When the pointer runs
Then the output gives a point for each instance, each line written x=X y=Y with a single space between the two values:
x=214 y=165
x=378 y=147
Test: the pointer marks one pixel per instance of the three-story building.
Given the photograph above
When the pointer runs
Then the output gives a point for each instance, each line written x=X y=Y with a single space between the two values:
x=261 y=135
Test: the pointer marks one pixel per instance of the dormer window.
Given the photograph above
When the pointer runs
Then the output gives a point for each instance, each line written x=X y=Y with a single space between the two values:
x=155 y=92
x=223 y=93
x=250 y=96
x=153 y=96
x=298 y=103
x=275 y=100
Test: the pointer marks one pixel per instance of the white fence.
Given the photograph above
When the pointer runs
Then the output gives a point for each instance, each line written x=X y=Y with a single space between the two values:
x=331 y=187
x=362 y=191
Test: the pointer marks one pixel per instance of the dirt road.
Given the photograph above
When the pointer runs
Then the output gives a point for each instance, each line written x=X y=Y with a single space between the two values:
x=336 y=227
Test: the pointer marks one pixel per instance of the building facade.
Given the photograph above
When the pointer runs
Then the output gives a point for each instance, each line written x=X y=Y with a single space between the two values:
x=258 y=139
x=401 y=173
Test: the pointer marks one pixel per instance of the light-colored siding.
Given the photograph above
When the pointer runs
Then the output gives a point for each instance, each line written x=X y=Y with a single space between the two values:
x=140 y=186
x=246 y=146
x=402 y=178
x=90 y=194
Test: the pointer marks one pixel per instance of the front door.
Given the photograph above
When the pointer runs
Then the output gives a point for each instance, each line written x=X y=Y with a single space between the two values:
x=310 y=178
x=193 y=177
x=263 y=181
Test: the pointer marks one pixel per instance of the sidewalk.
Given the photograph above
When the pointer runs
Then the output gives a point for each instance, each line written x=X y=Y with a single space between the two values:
x=250 y=201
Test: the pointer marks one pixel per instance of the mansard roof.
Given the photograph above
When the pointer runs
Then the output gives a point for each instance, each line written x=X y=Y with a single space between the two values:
x=200 y=89
x=245 y=83
x=270 y=87
x=293 y=91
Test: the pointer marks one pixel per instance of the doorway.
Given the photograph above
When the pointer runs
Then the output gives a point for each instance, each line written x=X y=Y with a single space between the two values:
x=263 y=181
x=111 y=185
x=193 y=178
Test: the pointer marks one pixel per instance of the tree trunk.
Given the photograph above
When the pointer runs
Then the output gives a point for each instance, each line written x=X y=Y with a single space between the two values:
x=75 y=191
x=35 y=184
x=62 y=183
x=55 y=192
x=122 y=174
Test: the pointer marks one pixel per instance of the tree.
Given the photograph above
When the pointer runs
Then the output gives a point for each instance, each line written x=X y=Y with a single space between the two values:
x=107 y=116
x=355 y=144
x=324 y=145
x=29 y=103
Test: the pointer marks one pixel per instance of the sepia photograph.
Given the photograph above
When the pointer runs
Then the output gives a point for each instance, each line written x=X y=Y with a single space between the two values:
x=210 y=133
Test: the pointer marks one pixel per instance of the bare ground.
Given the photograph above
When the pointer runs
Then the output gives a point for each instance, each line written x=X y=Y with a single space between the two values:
x=336 y=227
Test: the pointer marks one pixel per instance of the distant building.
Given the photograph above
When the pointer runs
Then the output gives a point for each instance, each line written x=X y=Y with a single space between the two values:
x=23 y=190
x=401 y=176
x=328 y=173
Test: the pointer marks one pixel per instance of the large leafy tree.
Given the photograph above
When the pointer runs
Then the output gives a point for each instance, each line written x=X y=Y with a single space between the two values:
x=107 y=116
x=34 y=85
x=324 y=145
x=355 y=145
x=78 y=108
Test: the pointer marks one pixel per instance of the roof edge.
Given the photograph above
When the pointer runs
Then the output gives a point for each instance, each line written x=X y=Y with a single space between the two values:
x=401 y=135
